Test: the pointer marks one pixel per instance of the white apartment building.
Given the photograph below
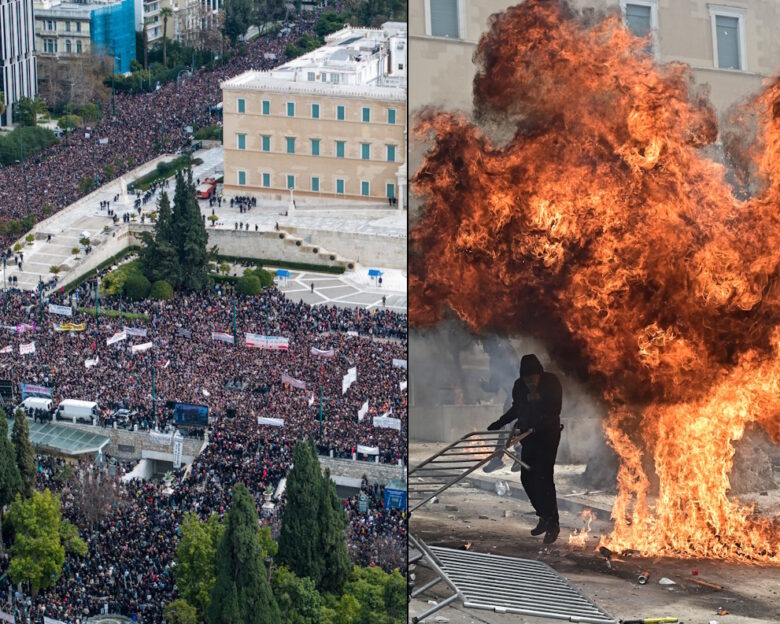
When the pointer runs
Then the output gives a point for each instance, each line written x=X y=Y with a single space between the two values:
x=17 y=55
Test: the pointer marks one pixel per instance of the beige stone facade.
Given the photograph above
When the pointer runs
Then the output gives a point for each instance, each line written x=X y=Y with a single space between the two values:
x=319 y=127
x=683 y=30
x=62 y=30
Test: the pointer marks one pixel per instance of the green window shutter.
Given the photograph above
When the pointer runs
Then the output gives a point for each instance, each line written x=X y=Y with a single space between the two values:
x=241 y=105
x=241 y=141
x=291 y=109
x=364 y=188
x=290 y=181
x=266 y=143
x=391 y=153
x=315 y=147
x=266 y=107
x=315 y=184
x=390 y=190
x=366 y=114
x=266 y=180
x=340 y=113
x=339 y=149
x=290 y=145
x=365 y=151
x=241 y=178
x=315 y=111
x=391 y=116
x=340 y=186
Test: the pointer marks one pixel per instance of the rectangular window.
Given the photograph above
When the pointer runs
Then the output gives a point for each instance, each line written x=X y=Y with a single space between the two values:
x=266 y=180
x=242 y=178
x=315 y=185
x=315 y=147
x=67 y=26
x=78 y=26
x=366 y=114
x=340 y=186
x=444 y=18
x=266 y=143
x=364 y=188
x=391 y=116
x=290 y=145
x=241 y=105
x=365 y=151
x=290 y=181
x=291 y=109
x=340 y=113
x=391 y=153
x=315 y=111
x=310 y=76
x=266 y=107
x=727 y=33
x=241 y=141
x=339 y=149
x=334 y=78
x=638 y=19
x=390 y=190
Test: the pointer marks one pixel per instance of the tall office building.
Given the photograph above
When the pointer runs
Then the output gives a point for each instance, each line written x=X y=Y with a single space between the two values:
x=17 y=55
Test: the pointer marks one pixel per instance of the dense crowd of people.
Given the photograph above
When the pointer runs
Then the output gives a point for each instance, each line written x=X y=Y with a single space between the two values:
x=131 y=131
x=132 y=574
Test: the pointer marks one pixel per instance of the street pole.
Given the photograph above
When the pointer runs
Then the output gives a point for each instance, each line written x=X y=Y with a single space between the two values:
x=40 y=299
x=320 y=414
x=235 y=334
x=97 y=310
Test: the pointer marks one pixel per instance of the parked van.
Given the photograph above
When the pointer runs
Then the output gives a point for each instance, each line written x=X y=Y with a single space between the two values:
x=77 y=411
x=34 y=403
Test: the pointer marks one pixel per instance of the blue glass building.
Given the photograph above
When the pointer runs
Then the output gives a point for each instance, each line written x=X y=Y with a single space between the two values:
x=112 y=29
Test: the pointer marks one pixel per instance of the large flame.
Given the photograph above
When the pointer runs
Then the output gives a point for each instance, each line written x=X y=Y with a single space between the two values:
x=601 y=228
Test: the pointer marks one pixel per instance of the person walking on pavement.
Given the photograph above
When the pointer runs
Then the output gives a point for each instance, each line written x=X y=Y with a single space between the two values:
x=536 y=404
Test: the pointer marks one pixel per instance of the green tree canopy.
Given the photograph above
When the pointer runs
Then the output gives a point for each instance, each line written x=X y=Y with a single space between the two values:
x=298 y=598
x=241 y=592
x=25 y=456
x=38 y=552
x=137 y=287
x=161 y=291
x=333 y=541
x=159 y=256
x=249 y=285
x=378 y=595
x=196 y=560
x=237 y=14
x=181 y=612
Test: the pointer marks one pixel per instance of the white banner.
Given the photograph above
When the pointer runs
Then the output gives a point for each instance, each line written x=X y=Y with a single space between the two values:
x=118 y=337
x=368 y=450
x=61 y=310
x=320 y=353
x=348 y=379
x=48 y=620
x=292 y=381
x=271 y=422
x=399 y=363
x=311 y=400
x=26 y=349
x=274 y=343
x=219 y=336
x=5 y=617
x=93 y=362
x=354 y=334
x=363 y=411
x=142 y=347
x=403 y=385
x=135 y=331
x=8 y=349
x=178 y=446
x=155 y=437
x=387 y=422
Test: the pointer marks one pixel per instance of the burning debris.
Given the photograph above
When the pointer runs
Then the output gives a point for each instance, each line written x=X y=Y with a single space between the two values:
x=579 y=538
x=600 y=228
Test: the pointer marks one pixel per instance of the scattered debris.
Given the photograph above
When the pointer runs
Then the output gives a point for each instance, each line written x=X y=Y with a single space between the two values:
x=654 y=620
x=432 y=602
x=467 y=546
x=722 y=611
x=695 y=572
x=507 y=513
x=707 y=584
x=605 y=552
x=631 y=552
x=502 y=488
x=643 y=578
x=450 y=508
x=440 y=618
x=484 y=518
x=666 y=581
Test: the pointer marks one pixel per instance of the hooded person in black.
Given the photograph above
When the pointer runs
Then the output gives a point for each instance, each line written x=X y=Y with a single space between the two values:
x=536 y=404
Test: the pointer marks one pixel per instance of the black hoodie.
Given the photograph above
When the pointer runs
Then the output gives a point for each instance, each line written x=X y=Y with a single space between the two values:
x=544 y=414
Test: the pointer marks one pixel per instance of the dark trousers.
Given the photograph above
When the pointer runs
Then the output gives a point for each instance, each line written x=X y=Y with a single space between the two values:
x=538 y=482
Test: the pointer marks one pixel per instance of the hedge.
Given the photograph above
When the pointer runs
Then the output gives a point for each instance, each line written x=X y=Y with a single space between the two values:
x=89 y=274
x=249 y=285
x=283 y=264
x=163 y=171
x=131 y=316
x=137 y=286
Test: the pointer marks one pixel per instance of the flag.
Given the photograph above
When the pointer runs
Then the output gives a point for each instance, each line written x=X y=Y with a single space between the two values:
x=311 y=400
x=363 y=411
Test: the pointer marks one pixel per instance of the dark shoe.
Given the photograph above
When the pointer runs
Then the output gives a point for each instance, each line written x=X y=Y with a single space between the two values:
x=552 y=534
x=516 y=466
x=539 y=528
x=493 y=465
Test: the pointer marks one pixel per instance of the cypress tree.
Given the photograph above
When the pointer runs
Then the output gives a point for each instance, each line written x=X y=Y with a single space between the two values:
x=159 y=257
x=299 y=538
x=25 y=456
x=10 y=479
x=333 y=541
x=241 y=592
x=194 y=255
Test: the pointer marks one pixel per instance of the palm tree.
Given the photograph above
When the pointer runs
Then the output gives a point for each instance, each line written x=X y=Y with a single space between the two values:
x=166 y=12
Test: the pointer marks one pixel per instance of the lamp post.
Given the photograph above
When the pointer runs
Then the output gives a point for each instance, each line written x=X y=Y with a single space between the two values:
x=40 y=299
x=97 y=303
x=320 y=414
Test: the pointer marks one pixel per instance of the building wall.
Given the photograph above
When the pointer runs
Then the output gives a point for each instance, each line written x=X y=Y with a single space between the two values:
x=684 y=34
x=17 y=54
x=303 y=165
x=64 y=29
x=113 y=33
